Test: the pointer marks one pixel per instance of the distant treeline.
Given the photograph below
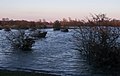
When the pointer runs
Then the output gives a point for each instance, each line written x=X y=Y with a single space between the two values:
x=100 y=20
x=23 y=24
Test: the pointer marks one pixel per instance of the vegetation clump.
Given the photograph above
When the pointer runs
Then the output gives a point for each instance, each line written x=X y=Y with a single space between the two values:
x=38 y=34
x=20 y=40
x=6 y=28
x=56 y=25
x=99 y=44
x=65 y=30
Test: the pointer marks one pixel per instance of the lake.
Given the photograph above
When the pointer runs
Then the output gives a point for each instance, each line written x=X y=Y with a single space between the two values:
x=53 y=54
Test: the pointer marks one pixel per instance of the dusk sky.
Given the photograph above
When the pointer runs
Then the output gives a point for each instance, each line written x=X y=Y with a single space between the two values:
x=57 y=9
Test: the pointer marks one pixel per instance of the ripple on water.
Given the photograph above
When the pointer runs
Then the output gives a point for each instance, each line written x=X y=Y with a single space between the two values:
x=53 y=54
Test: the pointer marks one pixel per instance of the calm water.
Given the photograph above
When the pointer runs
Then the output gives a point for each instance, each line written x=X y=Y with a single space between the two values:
x=53 y=54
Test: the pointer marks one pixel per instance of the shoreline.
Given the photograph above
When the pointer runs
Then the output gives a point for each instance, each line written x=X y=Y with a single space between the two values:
x=23 y=73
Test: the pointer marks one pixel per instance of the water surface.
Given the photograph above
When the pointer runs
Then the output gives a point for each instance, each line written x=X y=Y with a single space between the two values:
x=53 y=54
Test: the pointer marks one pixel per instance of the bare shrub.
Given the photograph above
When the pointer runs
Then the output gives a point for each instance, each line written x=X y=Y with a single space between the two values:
x=99 y=44
x=20 y=40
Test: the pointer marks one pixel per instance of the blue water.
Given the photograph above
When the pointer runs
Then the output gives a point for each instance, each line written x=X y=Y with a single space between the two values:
x=53 y=54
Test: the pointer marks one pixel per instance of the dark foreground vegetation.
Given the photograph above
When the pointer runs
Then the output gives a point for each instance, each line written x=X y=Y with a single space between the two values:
x=99 y=44
x=22 y=73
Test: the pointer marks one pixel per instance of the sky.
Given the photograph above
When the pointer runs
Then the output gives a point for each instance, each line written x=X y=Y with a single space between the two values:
x=52 y=10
